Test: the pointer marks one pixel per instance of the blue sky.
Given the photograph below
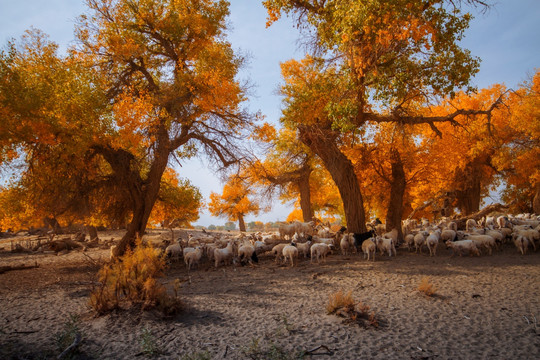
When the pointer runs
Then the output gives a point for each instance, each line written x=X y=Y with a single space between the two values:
x=506 y=38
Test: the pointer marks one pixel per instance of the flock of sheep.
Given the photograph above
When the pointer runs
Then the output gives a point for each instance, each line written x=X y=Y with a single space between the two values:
x=307 y=240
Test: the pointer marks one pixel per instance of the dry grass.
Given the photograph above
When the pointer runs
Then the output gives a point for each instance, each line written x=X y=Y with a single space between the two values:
x=344 y=305
x=427 y=287
x=133 y=281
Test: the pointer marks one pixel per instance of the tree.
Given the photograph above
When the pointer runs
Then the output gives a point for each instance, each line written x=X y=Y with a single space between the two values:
x=234 y=203
x=387 y=56
x=167 y=77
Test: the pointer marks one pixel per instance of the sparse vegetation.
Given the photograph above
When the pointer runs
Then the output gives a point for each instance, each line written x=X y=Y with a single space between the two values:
x=65 y=338
x=133 y=281
x=269 y=351
x=149 y=346
x=427 y=287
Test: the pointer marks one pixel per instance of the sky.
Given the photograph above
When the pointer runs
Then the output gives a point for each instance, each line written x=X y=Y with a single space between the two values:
x=506 y=38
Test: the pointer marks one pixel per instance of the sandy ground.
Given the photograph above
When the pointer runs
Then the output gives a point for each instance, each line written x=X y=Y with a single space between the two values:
x=484 y=308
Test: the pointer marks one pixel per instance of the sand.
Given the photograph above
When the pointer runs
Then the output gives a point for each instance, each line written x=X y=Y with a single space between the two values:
x=484 y=308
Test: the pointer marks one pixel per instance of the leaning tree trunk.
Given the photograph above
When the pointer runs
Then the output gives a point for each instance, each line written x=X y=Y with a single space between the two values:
x=322 y=143
x=394 y=213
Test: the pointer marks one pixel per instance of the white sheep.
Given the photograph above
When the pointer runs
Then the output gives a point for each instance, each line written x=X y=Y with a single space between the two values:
x=522 y=244
x=483 y=241
x=246 y=253
x=192 y=258
x=278 y=251
x=319 y=251
x=304 y=228
x=290 y=252
x=409 y=241
x=448 y=235
x=174 y=251
x=432 y=241
x=386 y=244
x=369 y=248
x=304 y=248
x=319 y=240
x=420 y=240
x=347 y=244
x=287 y=230
x=225 y=255
x=461 y=246
x=532 y=235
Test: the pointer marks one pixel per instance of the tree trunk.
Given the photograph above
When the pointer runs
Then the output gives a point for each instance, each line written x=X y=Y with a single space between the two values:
x=536 y=200
x=92 y=232
x=53 y=223
x=322 y=143
x=241 y=223
x=305 y=196
x=469 y=194
x=394 y=213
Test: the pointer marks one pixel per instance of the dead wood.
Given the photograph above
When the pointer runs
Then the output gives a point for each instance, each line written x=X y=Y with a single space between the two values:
x=4 y=269
x=493 y=208
x=314 y=352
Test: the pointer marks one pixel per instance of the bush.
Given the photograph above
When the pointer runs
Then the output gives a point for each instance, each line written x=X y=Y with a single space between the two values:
x=345 y=306
x=427 y=287
x=132 y=281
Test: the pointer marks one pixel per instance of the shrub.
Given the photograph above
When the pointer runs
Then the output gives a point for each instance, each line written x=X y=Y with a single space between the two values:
x=132 y=280
x=426 y=286
x=345 y=306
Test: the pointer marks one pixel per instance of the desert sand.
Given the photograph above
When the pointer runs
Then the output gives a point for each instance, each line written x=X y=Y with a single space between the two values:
x=483 y=308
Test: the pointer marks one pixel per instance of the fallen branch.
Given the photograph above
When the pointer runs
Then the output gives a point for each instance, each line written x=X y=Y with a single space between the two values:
x=4 y=269
x=71 y=347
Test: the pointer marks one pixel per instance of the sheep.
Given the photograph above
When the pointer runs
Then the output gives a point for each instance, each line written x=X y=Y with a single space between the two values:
x=386 y=244
x=319 y=240
x=497 y=235
x=290 y=252
x=483 y=241
x=463 y=246
x=409 y=241
x=319 y=251
x=419 y=240
x=432 y=241
x=522 y=243
x=224 y=255
x=278 y=251
x=393 y=234
x=448 y=235
x=369 y=248
x=359 y=238
x=174 y=251
x=287 y=230
x=504 y=222
x=192 y=258
x=247 y=253
x=347 y=243
x=304 y=228
x=304 y=248
x=470 y=224
x=531 y=234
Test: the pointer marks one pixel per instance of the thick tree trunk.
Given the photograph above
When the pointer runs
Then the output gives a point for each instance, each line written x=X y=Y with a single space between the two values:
x=394 y=213
x=53 y=223
x=305 y=196
x=322 y=143
x=469 y=194
x=241 y=223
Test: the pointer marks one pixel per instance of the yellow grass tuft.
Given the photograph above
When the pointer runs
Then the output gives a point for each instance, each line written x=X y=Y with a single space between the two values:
x=339 y=300
x=427 y=287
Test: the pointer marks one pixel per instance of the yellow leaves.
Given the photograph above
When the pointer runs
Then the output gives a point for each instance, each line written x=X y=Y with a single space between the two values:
x=265 y=133
x=234 y=202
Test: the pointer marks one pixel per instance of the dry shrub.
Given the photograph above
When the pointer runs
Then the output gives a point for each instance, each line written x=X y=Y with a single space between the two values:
x=132 y=281
x=344 y=305
x=427 y=287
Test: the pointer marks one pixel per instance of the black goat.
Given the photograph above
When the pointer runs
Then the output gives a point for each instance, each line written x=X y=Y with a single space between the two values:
x=359 y=238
